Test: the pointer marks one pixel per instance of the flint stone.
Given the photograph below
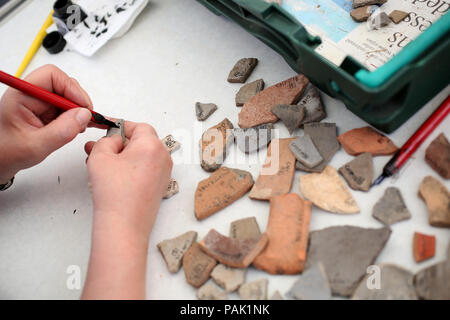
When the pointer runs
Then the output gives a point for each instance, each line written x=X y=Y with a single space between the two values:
x=277 y=296
x=327 y=191
x=366 y=139
x=228 y=278
x=361 y=14
x=209 y=291
x=276 y=173
x=172 y=189
x=242 y=70
x=305 y=151
x=244 y=229
x=255 y=290
x=396 y=283
x=214 y=145
x=311 y=285
x=197 y=265
x=256 y=111
x=345 y=252
x=290 y=115
x=234 y=253
x=432 y=283
x=437 y=156
x=437 y=199
x=424 y=246
x=362 y=3
x=252 y=139
x=288 y=230
x=248 y=91
x=170 y=143
x=324 y=138
x=359 y=172
x=173 y=250
x=204 y=110
x=314 y=108
x=391 y=208
x=398 y=16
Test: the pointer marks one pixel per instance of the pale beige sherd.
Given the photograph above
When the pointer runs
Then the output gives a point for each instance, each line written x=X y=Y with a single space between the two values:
x=437 y=199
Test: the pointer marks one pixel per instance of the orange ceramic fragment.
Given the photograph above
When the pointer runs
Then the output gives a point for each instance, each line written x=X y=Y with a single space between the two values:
x=366 y=139
x=424 y=246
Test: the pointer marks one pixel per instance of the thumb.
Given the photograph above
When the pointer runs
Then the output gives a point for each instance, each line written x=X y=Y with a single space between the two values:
x=63 y=129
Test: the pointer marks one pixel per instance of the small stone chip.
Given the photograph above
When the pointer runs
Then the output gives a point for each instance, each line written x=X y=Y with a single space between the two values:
x=327 y=191
x=228 y=278
x=172 y=189
x=366 y=139
x=221 y=189
x=314 y=108
x=377 y=20
x=204 y=110
x=305 y=151
x=398 y=16
x=248 y=91
x=437 y=199
x=173 y=250
x=391 y=208
x=252 y=139
x=396 y=283
x=170 y=143
x=234 y=253
x=276 y=296
x=209 y=291
x=214 y=145
x=437 y=156
x=255 y=290
x=359 y=172
x=197 y=265
x=120 y=131
x=361 y=14
x=290 y=115
x=244 y=229
x=242 y=70
x=312 y=285
x=362 y=3
x=432 y=283
x=424 y=246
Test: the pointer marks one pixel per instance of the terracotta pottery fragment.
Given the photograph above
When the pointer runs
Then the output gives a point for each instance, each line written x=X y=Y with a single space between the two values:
x=242 y=70
x=437 y=199
x=437 y=156
x=197 y=265
x=424 y=246
x=366 y=139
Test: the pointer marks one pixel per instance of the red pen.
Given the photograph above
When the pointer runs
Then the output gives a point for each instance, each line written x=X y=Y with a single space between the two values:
x=50 y=97
x=407 y=150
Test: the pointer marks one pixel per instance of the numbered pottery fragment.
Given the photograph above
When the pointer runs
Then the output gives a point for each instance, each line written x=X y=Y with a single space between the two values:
x=398 y=16
x=245 y=228
x=290 y=115
x=361 y=14
x=305 y=151
x=248 y=91
x=391 y=208
x=432 y=283
x=204 y=110
x=255 y=290
x=173 y=250
x=437 y=156
x=424 y=246
x=257 y=110
x=228 y=278
x=242 y=70
x=252 y=139
x=197 y=265
x=345 y=252
x=209 y=291
x=358 y=172
x=222 y=188
x=172 y=189
x=314 y=108
x=170 y=143
x=366 y=139
x=311 y=285
x=120 y=130
x=437 y=199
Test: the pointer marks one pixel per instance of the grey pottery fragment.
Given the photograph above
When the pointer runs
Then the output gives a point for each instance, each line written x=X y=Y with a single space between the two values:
x=290 y=115
x=173 y=250
x=209 y=291
x=248 y=91
x=252 y=139
x=255 y=290
x=204 y=110
x=228 y=278
x=391 y=208
x=433 y=283
x=311 y=285
x=305 y=151
x=242 y=70
x=120 y=131
x=244 y=229
x=358 y=172
x=314 y=108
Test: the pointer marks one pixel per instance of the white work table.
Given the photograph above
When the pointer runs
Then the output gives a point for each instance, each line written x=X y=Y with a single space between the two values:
x=176 y=53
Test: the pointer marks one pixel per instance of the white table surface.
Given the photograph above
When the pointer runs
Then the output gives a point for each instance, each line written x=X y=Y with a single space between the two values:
x=177 y=53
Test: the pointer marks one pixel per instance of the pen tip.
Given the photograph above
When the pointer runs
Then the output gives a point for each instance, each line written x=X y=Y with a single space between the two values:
x=110 y=124
x=378 y=180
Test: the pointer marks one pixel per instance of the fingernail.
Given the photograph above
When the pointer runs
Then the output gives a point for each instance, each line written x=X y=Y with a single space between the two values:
x=83 y=117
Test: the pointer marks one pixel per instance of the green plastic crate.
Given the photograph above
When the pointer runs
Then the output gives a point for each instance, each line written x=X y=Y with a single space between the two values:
x=385 y=98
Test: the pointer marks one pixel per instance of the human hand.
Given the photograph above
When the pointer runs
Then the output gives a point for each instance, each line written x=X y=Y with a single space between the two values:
x=30 y=129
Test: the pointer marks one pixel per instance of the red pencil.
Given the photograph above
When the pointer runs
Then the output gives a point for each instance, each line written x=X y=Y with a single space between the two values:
x=407 y=150
x=50 y=97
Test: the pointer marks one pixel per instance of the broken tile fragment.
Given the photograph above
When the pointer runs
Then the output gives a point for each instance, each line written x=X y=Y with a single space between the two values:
x=361 y=14
x=172 y=189
x=398 y=16
x=228 y=278
x=276 y=173
x=245 y=228
x=324 y=137
x=305 y=151
x=424 y=246
x=437 y=199
x=214 y=145
x=250 y=140
x=256 y=111
x=197 y=265
x=314 y=108
x=222 y=188
x=290 y=115
x=345 y=252
x=362 y=3
x=276 y=296
x=242 y=70
x=173 y=250
x=391 y=208
x=248 y=91
x=437 y=156
x=327 y=191
x=204 y=110
x=366 y=139
x=170 y=143
x=395 y=283
x=209 y=291
x=255 y=290
x=311 y=285
x=120 y=130
x=432 y=283
x=377 y=20
x=358 y=172
x=234 y=253
x=288 y=230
